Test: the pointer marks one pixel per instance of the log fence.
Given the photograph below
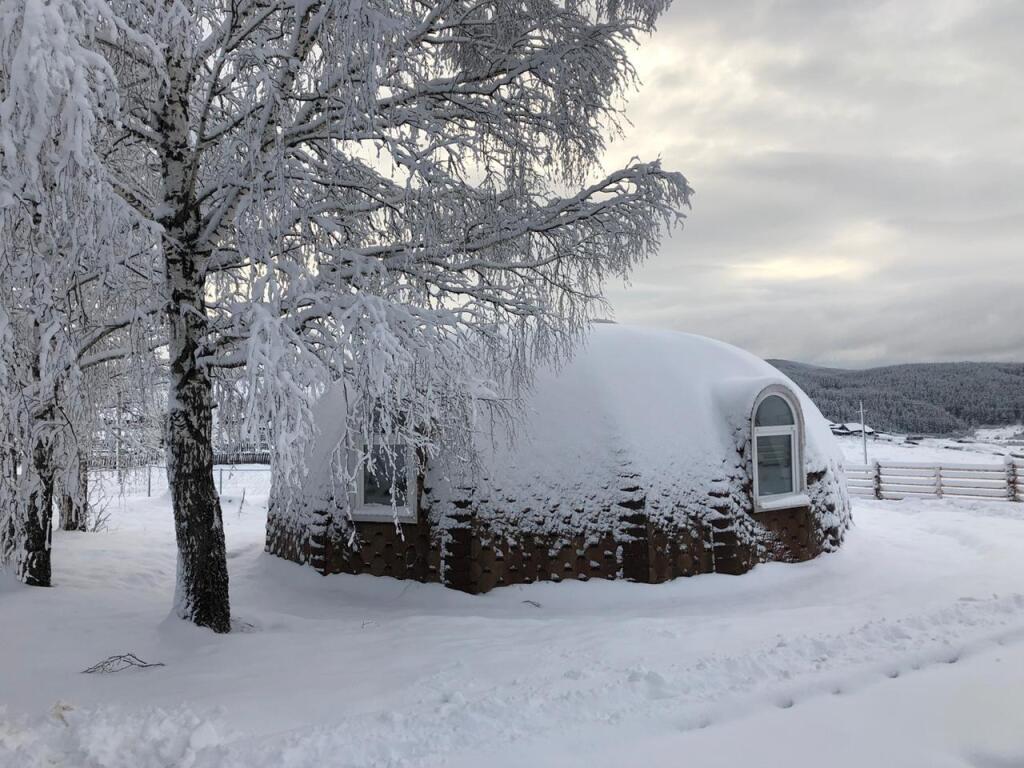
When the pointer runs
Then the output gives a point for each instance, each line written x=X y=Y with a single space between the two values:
x=901 y=480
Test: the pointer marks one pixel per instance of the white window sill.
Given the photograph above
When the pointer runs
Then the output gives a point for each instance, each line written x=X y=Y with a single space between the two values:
x=786 y=501
x=382 y=513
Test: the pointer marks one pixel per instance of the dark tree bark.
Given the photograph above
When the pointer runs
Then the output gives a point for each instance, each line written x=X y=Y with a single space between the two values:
x=202 y=589
x=202 y=592
x=34 y=561
x=33 y=564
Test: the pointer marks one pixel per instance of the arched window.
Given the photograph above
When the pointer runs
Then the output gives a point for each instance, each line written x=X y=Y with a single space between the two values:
x=777 y=441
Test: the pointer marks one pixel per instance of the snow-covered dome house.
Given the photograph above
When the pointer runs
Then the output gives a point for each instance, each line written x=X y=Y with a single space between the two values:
x=651 y=455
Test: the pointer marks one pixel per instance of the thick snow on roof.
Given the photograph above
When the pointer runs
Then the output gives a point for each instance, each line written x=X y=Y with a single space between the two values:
x=670 y=409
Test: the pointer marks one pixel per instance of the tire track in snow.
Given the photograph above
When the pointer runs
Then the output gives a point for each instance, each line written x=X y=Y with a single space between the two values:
x=714 y=688
x=452 y=711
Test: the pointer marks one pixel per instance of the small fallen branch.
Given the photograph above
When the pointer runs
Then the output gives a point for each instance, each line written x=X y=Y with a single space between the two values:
x=120 y=662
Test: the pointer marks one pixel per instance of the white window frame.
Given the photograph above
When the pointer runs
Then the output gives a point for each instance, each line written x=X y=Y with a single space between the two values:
x=798 y=496
x=361 y=512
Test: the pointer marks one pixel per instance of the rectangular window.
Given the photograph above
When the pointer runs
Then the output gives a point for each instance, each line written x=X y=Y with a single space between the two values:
x=378 y=473
x=774 y=464
x=385 y=484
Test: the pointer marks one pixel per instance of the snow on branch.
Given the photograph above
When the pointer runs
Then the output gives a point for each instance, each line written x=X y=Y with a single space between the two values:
x=402 y=199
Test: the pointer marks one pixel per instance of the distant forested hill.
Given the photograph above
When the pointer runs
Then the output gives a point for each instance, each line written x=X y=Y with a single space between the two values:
x=929 y=398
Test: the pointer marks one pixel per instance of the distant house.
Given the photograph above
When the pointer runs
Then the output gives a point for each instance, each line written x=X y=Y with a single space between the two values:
x=651 y=455
x=850 y=428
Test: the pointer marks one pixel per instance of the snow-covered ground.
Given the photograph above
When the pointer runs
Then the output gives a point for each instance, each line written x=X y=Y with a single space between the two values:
x=905 y=648
x=987 y=446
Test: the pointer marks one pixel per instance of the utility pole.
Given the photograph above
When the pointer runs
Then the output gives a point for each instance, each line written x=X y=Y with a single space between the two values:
x=863 y=433
x=117 y=441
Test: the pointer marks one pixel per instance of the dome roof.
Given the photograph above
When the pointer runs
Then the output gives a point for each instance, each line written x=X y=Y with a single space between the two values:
x=670 y=409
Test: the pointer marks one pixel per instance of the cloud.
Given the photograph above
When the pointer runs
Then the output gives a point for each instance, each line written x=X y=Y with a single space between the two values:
x=859 y=169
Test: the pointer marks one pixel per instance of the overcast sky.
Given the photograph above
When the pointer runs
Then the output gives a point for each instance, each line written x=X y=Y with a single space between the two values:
x=859 y=169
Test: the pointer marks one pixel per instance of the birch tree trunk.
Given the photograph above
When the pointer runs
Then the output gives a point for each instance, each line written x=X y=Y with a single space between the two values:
x=201 y=595
x=74 y=513
x=202 y=589
x=34 y=562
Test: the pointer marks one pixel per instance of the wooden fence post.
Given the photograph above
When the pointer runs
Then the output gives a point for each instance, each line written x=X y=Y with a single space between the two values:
x=1011 y=480
x=938 y=480
x=878 y=480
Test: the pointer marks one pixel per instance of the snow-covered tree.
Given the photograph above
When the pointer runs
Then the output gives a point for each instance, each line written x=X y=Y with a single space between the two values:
x=71 y=285
x=67 y=341
x=404 y=197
